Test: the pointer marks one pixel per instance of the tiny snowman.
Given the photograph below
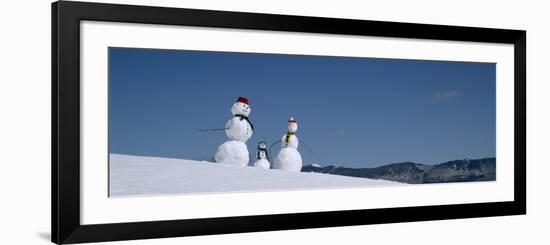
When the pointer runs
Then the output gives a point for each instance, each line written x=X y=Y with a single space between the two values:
x=262 y=159
x=238 y=129
x=289 y=158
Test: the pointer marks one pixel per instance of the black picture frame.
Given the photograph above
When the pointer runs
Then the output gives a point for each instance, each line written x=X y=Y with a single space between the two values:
x=65 y=168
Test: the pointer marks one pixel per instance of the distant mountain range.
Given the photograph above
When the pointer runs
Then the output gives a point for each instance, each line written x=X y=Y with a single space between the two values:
x=466 y=170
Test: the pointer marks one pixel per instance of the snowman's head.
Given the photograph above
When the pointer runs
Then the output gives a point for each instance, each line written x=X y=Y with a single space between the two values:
x=241 y=107
x=262 y=145
x=292 y=125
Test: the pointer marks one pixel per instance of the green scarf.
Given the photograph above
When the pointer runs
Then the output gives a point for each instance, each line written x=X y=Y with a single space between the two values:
x=288 y=134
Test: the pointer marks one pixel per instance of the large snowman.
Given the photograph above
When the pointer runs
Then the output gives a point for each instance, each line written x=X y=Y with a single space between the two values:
x=238 y=129
x=289 y=158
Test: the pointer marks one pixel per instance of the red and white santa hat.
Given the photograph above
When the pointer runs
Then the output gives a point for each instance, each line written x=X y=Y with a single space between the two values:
x=291 y=120
x=242 y=100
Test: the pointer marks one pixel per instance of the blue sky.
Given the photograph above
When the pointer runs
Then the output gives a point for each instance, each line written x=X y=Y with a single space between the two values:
x=355 y=112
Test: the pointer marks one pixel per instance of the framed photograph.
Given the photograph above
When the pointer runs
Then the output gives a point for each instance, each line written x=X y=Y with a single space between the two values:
x=174 y=122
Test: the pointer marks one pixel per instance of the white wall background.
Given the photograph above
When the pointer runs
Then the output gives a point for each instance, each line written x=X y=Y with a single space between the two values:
x=25 y=121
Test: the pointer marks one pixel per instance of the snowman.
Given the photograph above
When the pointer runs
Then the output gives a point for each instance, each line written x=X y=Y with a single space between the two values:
x=289 y=158
x=262 y=159
x=238 y=129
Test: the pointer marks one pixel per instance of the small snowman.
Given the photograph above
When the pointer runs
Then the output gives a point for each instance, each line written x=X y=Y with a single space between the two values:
x=262 y=159
x=289 y=158
x=238 y=129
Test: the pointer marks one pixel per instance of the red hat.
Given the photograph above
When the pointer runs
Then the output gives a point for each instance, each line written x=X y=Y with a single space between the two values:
x=291 y=120
x=242 y=100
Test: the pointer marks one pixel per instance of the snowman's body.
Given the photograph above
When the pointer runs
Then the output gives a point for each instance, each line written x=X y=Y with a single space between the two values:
x=262 y=163
x=290 y=140
x=232 y=152
x=289 y=159
x=238 y=129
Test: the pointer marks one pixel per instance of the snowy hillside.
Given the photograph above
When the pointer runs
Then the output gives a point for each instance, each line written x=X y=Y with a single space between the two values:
x=138 y=175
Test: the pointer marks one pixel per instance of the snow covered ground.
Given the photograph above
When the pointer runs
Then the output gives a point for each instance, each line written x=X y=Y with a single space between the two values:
x=139 y=175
